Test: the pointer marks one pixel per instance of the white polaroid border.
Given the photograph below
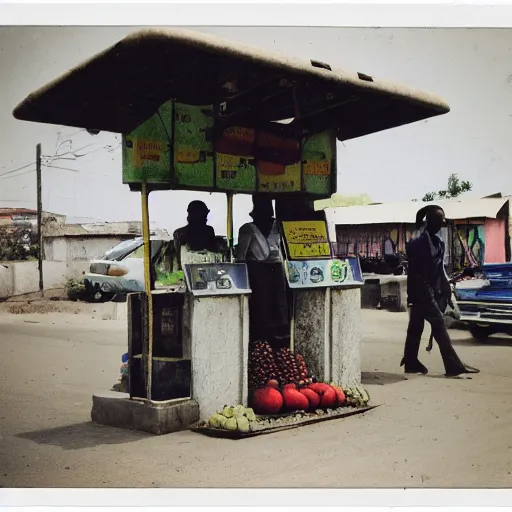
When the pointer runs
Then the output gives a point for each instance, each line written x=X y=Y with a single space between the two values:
x=374 y=13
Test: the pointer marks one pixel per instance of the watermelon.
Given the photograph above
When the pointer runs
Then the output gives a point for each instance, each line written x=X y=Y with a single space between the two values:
x=294 y=400
x=313 y=398
x=267 y=401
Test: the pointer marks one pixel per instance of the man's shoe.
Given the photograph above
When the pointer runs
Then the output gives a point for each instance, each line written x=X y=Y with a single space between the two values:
x=465 y=369
x=414 y=367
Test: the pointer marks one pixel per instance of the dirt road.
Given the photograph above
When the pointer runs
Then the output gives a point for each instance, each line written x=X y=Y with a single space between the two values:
x=429 y=432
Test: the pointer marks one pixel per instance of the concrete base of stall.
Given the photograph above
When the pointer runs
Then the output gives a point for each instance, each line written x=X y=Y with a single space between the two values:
x=216 y=334
x=117 y=410
x=327 y=332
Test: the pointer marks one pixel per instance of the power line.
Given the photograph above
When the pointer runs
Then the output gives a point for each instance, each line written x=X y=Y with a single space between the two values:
x=14 y=201
x=33 y=170
x=70 y=152
x=18 y=169
x=63 y=168
x=18 y=175
x=61 y=156
x=76 y=133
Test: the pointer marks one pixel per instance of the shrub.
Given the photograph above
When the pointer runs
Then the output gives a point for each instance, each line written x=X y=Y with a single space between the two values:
x=75 y=289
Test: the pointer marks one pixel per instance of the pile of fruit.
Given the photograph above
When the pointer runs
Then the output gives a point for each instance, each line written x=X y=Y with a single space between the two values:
x=283 y=366
x=294 y=403
x=233 y=418
x=304 y=397
x=357 y=396
x=280 y=383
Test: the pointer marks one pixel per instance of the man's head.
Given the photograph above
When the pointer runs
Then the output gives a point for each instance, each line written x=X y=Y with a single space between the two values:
x=434 y=216
x=262 y=208
x=197 y=213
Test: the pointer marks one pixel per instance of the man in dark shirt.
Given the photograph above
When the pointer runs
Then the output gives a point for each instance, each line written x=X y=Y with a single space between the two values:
x=196 y=234
x=429 y=293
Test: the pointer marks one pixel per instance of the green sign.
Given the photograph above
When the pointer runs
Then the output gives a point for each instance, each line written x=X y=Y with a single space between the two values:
x=232 y=158
x=193 y=146
x=146 y=151
x=318 y=163
x=235 y=159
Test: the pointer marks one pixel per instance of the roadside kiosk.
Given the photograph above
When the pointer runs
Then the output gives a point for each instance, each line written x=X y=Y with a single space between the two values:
x=200 y=113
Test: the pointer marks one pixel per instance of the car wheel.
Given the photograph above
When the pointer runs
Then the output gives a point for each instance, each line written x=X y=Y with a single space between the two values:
x=481 y=332
x=96 y=295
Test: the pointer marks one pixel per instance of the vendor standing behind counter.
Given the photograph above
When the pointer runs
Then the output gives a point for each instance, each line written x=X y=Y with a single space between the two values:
x=259 y=246
x=196 y=235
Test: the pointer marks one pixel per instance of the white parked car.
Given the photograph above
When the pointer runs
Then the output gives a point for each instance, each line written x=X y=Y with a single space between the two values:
x=121 y=269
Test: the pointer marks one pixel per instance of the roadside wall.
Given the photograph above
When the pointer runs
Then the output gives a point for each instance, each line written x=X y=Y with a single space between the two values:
x=79 y=248
x=18 y=278
x=65 y=257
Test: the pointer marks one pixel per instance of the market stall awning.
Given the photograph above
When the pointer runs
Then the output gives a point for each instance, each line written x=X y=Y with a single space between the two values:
x=405 y=213
x=121 y=87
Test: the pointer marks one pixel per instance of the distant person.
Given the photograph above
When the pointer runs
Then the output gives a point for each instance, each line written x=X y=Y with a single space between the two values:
x=429 y=294
x=197 y=235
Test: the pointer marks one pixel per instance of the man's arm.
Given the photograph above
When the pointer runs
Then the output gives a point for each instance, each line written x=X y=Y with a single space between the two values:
x=447 y=289
x=244 y=241
x=417 y=258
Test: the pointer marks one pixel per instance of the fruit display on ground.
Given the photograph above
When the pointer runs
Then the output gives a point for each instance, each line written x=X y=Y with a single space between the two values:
x=272 y=399
x=290 y=406
x=282 y=365
x=279 y=382
x=282 y=394
x=239 y=421
x=237 y=418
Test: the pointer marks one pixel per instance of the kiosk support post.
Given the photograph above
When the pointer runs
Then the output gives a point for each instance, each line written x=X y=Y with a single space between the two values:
x=147 y=284
x=229 y=229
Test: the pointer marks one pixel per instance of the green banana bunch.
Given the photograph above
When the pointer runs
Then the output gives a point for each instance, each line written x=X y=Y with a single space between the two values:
x=357 y=396
x=233 y=418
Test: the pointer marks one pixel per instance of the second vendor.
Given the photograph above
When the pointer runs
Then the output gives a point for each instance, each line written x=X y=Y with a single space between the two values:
x=259 y=246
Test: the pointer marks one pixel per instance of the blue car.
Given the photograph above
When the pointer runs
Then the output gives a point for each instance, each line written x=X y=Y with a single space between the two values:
x=485 y=302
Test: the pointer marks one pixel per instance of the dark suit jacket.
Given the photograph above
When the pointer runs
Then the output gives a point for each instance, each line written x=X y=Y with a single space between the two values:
x=426 y=281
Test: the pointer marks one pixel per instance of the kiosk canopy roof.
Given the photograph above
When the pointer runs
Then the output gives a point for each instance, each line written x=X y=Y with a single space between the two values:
x=121 y=87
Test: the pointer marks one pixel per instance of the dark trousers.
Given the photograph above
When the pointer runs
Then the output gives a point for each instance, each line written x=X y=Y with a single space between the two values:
x=268 y=304
x=430 y=312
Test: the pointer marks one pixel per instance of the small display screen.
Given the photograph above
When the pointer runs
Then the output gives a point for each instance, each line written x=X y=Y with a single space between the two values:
x=217 y=278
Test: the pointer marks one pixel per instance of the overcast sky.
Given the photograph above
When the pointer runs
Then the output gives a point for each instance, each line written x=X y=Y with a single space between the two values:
x=470 y=68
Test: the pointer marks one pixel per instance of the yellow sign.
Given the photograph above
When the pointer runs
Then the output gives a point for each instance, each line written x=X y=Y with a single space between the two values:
x=287 y=182
x=322 y=168
x=228 y=163
x=148 y=150
x=307 y=239
x=187 y=156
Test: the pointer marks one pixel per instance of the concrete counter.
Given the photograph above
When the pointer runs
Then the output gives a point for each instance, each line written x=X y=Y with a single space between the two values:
x=327 y=332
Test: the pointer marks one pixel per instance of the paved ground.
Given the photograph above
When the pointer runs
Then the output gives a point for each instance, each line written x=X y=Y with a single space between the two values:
x=429 y=432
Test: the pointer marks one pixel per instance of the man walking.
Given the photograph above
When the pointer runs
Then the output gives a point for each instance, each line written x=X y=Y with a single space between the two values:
x=428 y=293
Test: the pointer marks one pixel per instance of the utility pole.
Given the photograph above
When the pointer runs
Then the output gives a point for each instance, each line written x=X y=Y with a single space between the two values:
x=39 y=218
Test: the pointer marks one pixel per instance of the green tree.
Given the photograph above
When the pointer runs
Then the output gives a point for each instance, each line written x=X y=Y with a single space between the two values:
x=455 y=188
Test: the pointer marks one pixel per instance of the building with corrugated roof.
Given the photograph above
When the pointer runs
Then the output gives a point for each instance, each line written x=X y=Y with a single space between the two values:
x=478 y=230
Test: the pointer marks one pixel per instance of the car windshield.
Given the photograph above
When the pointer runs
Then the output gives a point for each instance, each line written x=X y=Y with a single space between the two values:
x=131 y=248
x=118 y=252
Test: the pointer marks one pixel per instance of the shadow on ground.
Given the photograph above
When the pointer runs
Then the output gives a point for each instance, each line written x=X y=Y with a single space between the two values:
x=381 y=378
x=83 y=435
x=493 y=341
